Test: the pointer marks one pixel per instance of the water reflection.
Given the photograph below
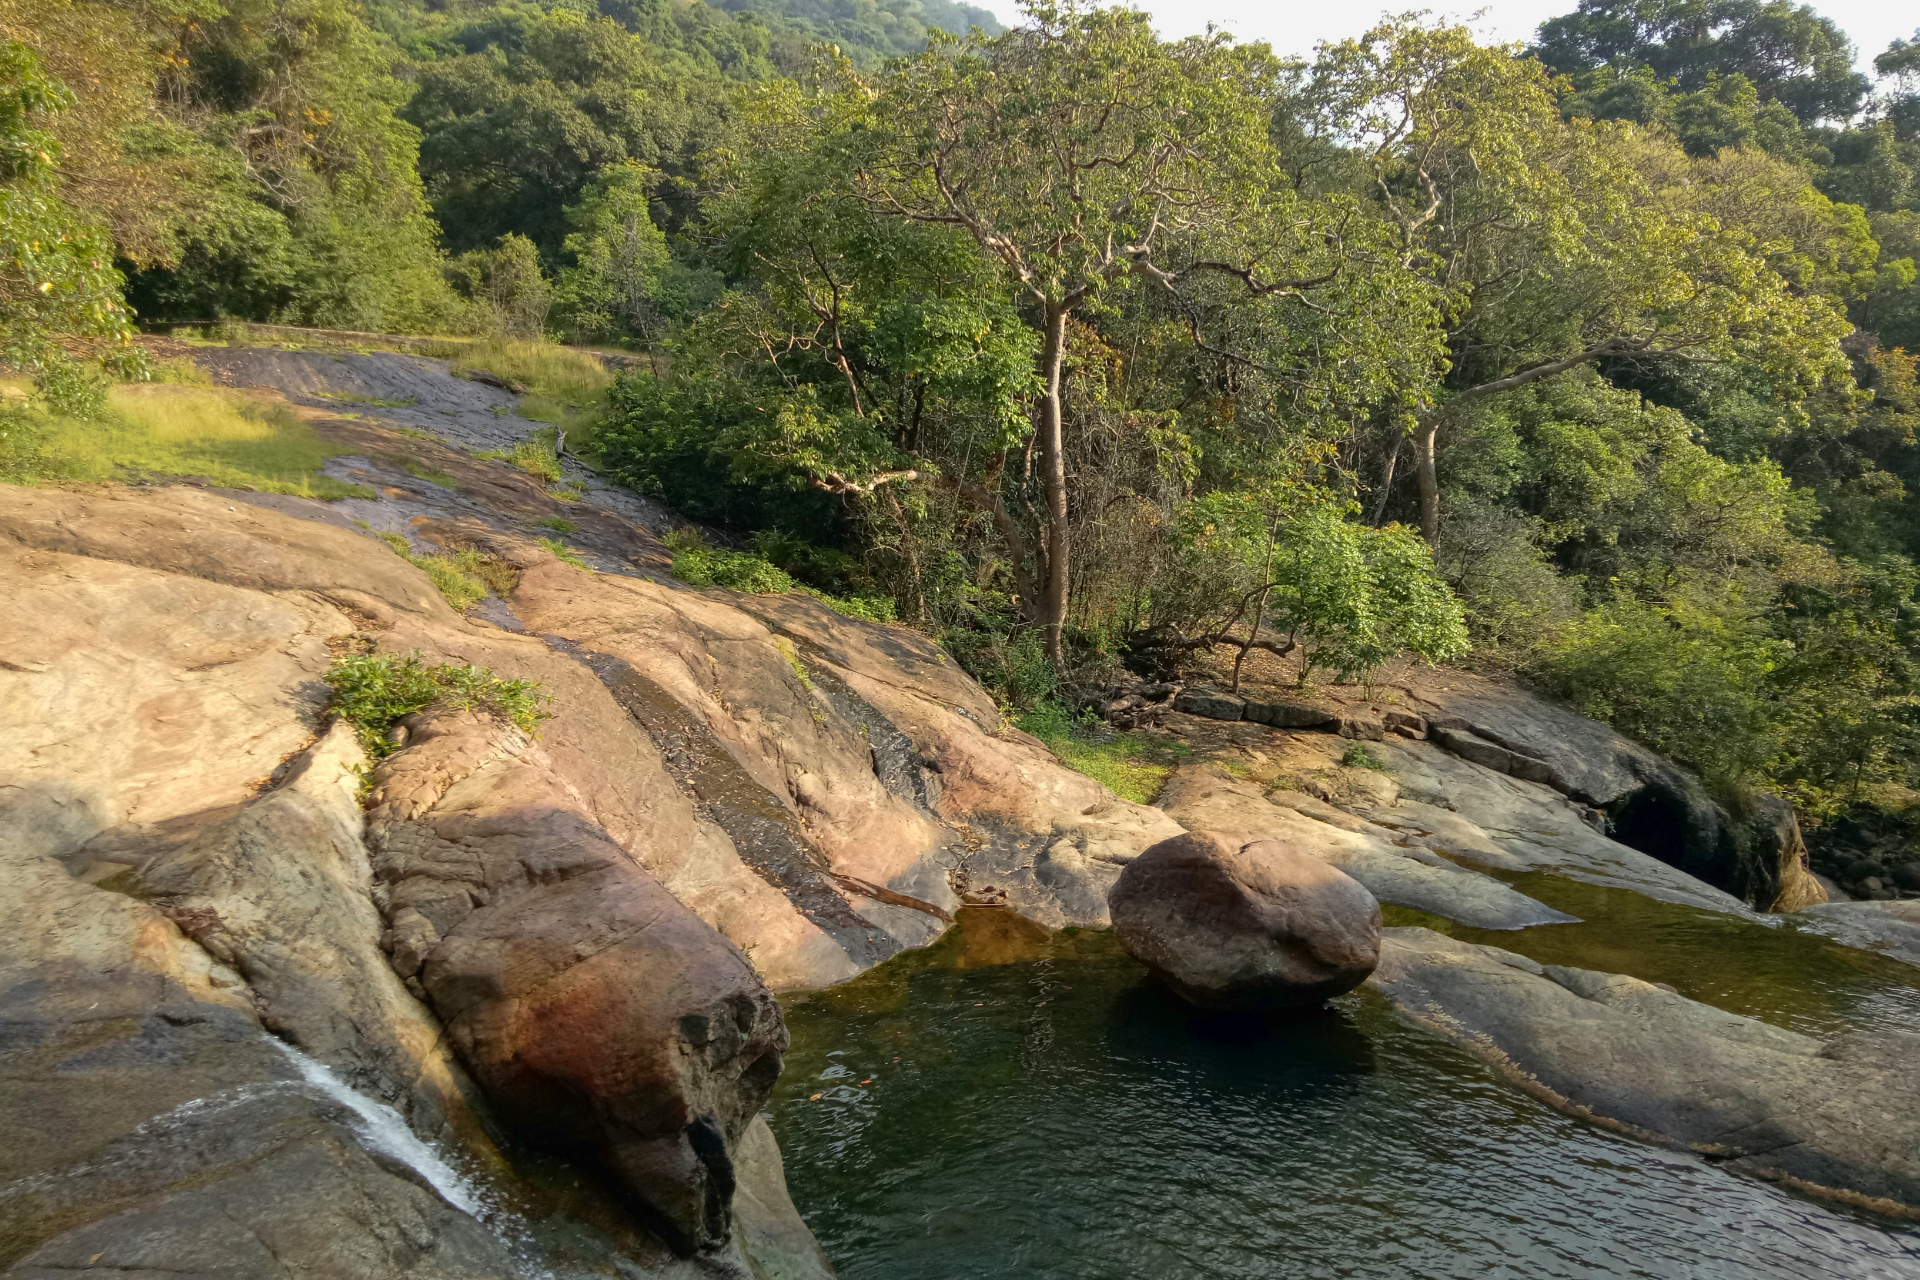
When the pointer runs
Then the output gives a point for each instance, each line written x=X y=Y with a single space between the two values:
x=1011 y=1104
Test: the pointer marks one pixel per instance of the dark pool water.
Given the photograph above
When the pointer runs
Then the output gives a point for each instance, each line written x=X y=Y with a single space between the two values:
x=1012 y=1104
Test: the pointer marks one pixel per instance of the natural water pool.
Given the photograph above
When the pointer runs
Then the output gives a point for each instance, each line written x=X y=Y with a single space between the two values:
x=1011 y=1104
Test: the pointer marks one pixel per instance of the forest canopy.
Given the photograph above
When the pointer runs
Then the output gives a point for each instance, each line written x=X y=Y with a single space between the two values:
x=1086 y=350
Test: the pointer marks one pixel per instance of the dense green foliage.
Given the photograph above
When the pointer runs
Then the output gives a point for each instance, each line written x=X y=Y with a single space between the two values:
x=1084 y=350
x=374 y=692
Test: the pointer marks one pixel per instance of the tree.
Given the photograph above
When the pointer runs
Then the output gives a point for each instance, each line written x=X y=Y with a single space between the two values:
x=1790 y=53
x=1079 y=152
x=1555 y=247
x=618 y=255
x=56 y=267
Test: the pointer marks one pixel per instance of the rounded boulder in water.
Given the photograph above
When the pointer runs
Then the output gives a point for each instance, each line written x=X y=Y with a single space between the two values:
x=1259 y=926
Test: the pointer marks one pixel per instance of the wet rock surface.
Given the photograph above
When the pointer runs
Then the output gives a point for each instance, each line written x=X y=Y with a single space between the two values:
x=1836 y=1116
x=1245 y=926
x=1889 y=927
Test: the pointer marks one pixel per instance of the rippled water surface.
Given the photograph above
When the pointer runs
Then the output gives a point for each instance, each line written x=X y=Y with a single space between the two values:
x=1009 y=1104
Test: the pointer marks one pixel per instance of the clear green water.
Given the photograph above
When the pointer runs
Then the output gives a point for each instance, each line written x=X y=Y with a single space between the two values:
x=1012 y=1104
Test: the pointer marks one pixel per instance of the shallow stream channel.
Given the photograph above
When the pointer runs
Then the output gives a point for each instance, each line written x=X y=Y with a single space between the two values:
x=1010 y=1103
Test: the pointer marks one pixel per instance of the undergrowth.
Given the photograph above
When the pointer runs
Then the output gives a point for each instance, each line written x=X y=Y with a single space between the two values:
x=374 y=691
x=699 y=565
x=1128 y=766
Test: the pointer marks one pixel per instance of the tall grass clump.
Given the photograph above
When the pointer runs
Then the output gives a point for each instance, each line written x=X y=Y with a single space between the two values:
x=564 y=387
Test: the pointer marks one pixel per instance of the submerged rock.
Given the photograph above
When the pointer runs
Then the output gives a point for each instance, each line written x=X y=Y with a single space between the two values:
x=1232 y=925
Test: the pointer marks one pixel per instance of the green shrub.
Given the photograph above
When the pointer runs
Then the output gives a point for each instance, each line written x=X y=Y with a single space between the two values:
x=372 y=692
x=734 y=570
x=1360 y=756
x=71 y=389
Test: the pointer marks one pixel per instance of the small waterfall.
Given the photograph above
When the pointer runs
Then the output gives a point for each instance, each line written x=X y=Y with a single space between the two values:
x=382 y=1129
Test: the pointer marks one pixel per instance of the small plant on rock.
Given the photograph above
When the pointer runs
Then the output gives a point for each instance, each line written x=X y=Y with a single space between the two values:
x=372 y=692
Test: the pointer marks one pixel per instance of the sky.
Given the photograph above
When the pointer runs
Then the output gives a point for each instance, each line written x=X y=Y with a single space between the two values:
x=1295 y=26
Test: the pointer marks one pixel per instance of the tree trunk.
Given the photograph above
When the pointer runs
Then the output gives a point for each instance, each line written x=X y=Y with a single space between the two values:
x=1423 y=450
x=1052 y=613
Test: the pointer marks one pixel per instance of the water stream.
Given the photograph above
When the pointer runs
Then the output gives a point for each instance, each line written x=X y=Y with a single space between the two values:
x=1013 y=1104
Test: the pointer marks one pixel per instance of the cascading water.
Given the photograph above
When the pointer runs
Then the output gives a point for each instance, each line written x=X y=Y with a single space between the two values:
x=382 y=1129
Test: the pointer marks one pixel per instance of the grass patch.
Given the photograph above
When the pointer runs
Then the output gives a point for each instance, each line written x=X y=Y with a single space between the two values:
x=565 y=387
x=179 y=371
x=432 y=475
x=559 y=524
x=538 y=408
x=463 y=576
x=1125 y=765
x=535 y=455
x=567 y=493
x=170 y=429
x=375 y=401
x=698 y=565
x=567 y=554
x=414 y=432
x=372 y=692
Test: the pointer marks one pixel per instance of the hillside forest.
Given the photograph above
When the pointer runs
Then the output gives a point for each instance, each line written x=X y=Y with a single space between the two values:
x=1086 y=351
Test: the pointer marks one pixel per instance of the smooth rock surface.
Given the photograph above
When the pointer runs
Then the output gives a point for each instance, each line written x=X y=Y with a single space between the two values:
x=1207 y=797
x=282 y=893
x=1889 y=927
x=1840 y=1116
x=1245 y=925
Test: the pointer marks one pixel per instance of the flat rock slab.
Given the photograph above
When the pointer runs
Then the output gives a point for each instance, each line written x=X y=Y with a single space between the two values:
x=1892 y=928
x=1840 y=1117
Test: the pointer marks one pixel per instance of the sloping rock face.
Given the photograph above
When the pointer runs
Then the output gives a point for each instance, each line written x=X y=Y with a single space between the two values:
x=165 y=741
x=1233 y=925
x=1642 y=800
x=569 y=940
x=1828 y=1116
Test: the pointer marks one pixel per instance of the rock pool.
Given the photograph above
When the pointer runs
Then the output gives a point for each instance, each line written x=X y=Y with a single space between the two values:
x=1008 y=1103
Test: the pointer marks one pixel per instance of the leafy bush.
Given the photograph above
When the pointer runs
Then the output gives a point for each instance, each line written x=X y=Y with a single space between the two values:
x=372 y=692
x=1690 y=682
x=71 y=389
x=734 y=570
x=1349 y=596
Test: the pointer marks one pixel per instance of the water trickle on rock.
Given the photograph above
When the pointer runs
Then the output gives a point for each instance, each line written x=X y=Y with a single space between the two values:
x=381 y=1129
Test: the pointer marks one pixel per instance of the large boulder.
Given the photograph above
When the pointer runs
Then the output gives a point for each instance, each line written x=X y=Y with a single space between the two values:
x=605 y=1020
x=1234 y=925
